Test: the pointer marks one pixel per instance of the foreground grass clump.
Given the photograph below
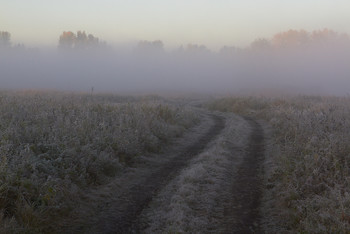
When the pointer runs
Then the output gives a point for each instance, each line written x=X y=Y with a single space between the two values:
x=53 y=146
x=308 y=161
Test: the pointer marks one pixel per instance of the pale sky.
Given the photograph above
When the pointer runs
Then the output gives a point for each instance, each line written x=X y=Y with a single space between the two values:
x=213 y=23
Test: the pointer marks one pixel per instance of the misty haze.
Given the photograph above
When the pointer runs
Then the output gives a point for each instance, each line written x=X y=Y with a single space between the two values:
x=174 y=117
x=295 y=61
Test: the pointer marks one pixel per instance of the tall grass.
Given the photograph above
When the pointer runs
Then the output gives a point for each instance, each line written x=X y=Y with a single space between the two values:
x=308 y=166
x=53 y=146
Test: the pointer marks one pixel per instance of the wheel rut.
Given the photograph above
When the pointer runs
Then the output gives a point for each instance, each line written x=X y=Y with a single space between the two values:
x=243 y=215
x=124 y=216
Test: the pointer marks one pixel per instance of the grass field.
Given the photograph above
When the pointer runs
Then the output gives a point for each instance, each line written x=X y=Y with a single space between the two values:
x=307 y=171
x=54 y=146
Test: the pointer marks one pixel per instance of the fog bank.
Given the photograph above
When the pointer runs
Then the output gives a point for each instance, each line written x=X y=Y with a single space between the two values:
x=321 y=68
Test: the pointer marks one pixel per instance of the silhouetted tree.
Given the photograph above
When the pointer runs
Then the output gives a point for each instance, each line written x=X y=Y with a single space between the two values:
x=231 y=51
x=195 y=49
x=290 y=39
x=5 y=39
x=301 y=38
x=228 y=50
x=260 y=44
x=67 y=40
x=93 y=41
x=79 y=41
x=327 y=36
x=150 y=46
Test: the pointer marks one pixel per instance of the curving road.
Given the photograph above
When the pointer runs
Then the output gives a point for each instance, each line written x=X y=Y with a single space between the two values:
x=122 y=214
x=123 y=218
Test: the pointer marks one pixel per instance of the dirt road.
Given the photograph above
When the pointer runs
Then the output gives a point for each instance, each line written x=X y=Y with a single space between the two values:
x=243 y=216
x=122 y=206
x=220 y=190
x=138 y=197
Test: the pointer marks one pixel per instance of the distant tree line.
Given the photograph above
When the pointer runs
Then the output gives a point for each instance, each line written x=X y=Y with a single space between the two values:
x=6 y=44
x=300 y=38
x=150 y=46
x=79 y=41
x=157 y=46
x=290 y=39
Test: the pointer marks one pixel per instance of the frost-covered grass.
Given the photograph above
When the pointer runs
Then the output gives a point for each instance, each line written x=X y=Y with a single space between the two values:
x=308 y=161
x=55 y=146
x=196 y=201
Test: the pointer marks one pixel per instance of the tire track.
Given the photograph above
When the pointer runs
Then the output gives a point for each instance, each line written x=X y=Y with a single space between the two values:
x=243 y=215
x=123 y=217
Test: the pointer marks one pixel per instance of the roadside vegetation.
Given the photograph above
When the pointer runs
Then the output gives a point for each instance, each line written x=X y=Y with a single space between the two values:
x=198 y=200
x=55 y=146
x=307 y=171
